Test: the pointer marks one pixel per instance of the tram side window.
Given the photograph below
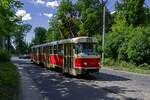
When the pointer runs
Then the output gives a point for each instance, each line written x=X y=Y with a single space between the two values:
x=34 y=50
x=55 y=49
x=44 y=50
x=37 y=50
x=51 y=49
x=60 y=49
x=40 y=50
x=47 y=49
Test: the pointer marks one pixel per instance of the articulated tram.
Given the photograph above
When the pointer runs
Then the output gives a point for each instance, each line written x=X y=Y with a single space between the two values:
x=74 y=56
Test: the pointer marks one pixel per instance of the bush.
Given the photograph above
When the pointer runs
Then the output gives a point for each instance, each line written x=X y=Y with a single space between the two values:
x=116 y=43
x=9 y=81
x=129 y=44
x=139 y=47
x=4 y=56
x=99 y=38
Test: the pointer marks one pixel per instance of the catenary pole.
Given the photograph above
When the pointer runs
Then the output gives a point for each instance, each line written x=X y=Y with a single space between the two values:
x=103 y=35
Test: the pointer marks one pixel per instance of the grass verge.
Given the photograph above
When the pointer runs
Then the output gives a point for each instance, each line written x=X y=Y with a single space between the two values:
x=122 y=65
x=9 y=81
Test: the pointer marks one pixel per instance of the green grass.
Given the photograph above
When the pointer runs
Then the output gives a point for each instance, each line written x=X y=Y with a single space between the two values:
x=9 y=81
x=125 y=66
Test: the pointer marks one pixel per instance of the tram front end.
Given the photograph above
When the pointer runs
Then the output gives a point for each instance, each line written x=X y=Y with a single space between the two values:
x=87 y=59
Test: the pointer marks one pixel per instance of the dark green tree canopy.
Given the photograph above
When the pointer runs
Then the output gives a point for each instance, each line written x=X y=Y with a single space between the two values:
x=40 y=35
x=132 y=11
x=83 y=18
x=90 y=13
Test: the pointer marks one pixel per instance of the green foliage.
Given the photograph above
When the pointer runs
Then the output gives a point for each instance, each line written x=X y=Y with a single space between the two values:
x=90 y=14
x=126 y=66
x=20 y=42
x=66 y=19
x=84 y=18
x=52 y=36
x=8 y=19
x=114 y=41
x=139 y=46
x=40 y=35
x=4 y=56
x=132 y=11
x=9 y=81
x=99 y=38
x=147 y=16
x=129 y=44
x=9 y=22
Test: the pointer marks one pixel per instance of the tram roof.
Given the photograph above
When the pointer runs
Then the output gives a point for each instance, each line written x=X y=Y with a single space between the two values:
x=76 y=40
x=71 y=40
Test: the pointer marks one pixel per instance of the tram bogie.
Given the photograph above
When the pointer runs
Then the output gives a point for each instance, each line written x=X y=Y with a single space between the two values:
x=74 y=56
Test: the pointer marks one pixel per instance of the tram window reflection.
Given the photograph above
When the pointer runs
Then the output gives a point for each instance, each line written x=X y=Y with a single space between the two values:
x=86 y=48
x=60 y=49
x=51 y=49
x=55 y=49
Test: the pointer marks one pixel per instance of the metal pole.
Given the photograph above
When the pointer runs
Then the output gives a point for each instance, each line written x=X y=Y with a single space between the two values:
x=103 y=37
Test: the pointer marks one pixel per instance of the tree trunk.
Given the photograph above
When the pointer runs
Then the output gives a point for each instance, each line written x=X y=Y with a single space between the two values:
x=8 y=43
x=2 y=42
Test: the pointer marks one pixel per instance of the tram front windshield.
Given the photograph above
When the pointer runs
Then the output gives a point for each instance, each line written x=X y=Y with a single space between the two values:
x=86 y=48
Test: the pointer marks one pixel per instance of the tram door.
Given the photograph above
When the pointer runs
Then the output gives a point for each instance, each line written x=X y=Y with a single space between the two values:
x=68 y=57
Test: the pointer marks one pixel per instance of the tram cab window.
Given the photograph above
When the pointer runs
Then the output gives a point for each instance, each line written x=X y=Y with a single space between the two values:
x=86 y=49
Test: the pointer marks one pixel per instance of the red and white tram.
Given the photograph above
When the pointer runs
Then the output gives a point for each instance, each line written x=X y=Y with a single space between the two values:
x=74 y=56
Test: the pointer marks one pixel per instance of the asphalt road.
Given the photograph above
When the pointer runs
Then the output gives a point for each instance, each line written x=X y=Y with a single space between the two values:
x=39 y=83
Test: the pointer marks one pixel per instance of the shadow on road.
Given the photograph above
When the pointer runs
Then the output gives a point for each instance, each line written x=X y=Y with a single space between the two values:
x=102 y=77
x=54 y=86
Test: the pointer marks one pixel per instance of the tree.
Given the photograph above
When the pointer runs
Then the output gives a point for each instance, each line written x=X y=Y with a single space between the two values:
x=40 y=35
x=20 y=42
x=66 y=16
x=54 y=31
x=90 y=13
x=8 y=20
x=147 y=16
x=139 y=46
x=132 y=11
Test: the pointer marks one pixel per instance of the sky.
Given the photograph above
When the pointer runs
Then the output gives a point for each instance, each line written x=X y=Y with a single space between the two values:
x=38 y=12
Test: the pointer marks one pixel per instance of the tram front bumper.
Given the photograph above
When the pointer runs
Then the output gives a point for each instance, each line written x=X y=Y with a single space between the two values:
x=86 y=71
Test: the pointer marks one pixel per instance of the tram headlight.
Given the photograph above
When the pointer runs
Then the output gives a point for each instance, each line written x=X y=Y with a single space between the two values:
x=85 y=63
x=99 y=64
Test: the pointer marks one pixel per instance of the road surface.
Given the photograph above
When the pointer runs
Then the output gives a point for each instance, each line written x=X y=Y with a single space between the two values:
x=39 y=83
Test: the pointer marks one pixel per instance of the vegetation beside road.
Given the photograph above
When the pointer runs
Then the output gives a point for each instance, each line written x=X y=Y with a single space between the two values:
x=128 y=42
x=125 y=66
x=9 y=79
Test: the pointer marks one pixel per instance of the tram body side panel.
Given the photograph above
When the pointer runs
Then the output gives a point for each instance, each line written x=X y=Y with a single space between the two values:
x=56 y=59
x=87 y=62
